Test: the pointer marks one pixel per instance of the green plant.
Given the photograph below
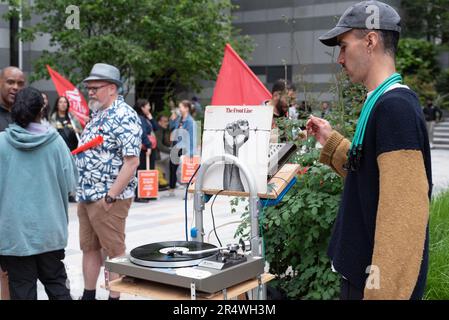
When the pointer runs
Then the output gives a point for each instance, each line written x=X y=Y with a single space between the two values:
x=442 y=101
x=297 y=233
x=416 y=61
x=438 y=275
x=417 y=57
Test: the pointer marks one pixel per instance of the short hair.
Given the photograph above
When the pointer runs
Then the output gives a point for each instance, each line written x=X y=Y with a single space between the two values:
x=2 y=71
x=291 y=86
x=27 y=106
x=159 y=117
x=389 y=39
x=278 y=86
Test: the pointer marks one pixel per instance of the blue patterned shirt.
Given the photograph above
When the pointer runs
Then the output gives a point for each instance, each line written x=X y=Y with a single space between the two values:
x=99 y=167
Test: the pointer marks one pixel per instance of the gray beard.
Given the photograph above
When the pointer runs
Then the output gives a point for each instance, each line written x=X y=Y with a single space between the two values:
x=94 y=105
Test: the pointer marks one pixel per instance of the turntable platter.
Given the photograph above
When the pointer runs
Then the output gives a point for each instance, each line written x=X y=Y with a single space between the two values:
x=171 y=254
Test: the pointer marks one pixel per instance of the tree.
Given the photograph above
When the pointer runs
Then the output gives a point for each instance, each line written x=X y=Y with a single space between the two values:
x=427 y=19
x=416 y=61
x=146 y=39
x=417 y=57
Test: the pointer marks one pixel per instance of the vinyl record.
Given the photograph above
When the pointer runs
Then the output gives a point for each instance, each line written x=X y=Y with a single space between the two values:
x=170 y=254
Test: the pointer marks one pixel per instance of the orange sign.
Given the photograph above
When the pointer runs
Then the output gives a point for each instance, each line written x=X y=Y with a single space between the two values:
x=148 y=186
x=188 y=168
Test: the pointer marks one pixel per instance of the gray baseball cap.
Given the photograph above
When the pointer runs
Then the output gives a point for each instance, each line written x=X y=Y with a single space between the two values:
x=105 y=72
x=373 y=15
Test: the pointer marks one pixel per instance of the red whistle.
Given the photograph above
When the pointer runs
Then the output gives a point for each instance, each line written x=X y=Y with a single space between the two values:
x=88 y=145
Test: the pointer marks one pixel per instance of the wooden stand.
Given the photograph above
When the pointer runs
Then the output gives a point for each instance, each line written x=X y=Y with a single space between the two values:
x=159 y=291
x=276 y=185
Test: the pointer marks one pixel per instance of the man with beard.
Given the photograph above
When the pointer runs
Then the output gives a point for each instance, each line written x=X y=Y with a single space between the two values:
x=379 y=244
x=279 y=99
x=12 y=80
x=106 y=175
x=279 y=102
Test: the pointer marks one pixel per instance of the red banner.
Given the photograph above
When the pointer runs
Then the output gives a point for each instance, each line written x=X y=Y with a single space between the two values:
x=236 y=84
x=78 y=105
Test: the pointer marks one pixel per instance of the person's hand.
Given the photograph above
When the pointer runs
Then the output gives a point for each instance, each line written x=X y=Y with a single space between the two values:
x=150 y=116
x=106 y=206
x=235 y=135
x=173 y=115
x=319 y=128
x=241 y=133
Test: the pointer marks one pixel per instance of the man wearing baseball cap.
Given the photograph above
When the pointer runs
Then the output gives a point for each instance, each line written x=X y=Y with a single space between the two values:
x=379 y=244
x=106 y=174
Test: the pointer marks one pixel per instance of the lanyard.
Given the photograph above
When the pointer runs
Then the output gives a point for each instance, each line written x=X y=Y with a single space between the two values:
x=356 y=150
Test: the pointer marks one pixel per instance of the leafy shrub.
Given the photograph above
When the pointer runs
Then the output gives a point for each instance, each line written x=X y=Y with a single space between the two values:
x=297 y=233
x=417 y=56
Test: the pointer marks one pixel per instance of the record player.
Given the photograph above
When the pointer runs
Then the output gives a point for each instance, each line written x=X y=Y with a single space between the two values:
x=182 y=263
x=195 y=264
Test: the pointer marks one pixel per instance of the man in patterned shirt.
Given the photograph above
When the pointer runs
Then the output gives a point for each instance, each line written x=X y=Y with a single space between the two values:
x=106 y=175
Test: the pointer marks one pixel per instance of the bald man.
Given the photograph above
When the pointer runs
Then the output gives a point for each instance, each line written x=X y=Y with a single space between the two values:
x=12 y=80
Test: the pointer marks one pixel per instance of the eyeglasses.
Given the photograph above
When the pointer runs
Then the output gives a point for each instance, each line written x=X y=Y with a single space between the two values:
x=95 y=89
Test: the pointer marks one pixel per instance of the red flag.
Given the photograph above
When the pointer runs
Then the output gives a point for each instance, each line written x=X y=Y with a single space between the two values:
x=78 y=105
x=236 y=84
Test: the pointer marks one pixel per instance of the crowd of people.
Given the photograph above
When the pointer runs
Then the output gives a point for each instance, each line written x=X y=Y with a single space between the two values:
x=380 y=241
x=36 y=152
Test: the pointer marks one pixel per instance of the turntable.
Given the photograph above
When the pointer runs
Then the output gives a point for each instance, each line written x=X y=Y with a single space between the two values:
x=195 y=264
x=181 y=263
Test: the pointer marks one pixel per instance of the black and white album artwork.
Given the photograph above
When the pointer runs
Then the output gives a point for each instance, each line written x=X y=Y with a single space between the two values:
x=241 y=131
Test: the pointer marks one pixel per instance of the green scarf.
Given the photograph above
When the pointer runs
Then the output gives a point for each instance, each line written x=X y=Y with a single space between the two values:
x=355 y=152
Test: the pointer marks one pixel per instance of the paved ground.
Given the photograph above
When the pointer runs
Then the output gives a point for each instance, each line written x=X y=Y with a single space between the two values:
x=156 y=221
x=163 y=220
x=440 y=170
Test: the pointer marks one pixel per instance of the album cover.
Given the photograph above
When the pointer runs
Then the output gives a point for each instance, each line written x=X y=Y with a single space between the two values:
x=242 y=131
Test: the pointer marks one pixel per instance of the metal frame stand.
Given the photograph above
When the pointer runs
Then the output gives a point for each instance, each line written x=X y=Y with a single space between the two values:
x=193 y=291
x=199 y=203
